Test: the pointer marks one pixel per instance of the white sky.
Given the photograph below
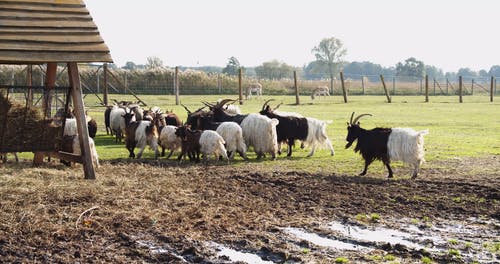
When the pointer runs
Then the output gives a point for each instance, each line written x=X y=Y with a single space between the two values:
x=445 y=33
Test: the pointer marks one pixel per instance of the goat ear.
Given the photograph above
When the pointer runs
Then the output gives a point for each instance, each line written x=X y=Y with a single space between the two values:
x=348 y=124
x=358 y=123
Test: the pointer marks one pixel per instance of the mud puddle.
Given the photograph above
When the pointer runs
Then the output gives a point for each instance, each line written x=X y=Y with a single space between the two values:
x=471 y=240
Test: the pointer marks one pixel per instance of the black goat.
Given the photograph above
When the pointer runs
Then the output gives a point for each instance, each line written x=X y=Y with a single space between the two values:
x=220 y=115
x=289 y=129
x=386 y=144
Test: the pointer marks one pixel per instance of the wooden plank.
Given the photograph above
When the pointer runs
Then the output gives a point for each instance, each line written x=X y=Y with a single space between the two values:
x=48 y=31
x=11 y=57
x=8 y=14
x=52 y=24
x=79 y=108
x=57 y=39
x=43 y=8
x=86 y=47
x=45 y=2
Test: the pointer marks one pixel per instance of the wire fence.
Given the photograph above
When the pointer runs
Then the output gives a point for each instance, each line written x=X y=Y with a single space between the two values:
x=98 y=80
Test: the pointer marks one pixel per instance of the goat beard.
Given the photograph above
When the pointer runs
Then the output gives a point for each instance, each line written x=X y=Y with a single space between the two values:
x=348 y=144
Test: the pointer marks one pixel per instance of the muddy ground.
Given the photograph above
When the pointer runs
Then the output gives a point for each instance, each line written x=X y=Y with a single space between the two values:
x=164 y=213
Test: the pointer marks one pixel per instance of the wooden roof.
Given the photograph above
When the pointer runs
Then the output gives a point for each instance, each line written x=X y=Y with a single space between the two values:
x=40 y=31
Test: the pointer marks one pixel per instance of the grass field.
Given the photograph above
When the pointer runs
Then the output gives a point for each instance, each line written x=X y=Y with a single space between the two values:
x=456 y=130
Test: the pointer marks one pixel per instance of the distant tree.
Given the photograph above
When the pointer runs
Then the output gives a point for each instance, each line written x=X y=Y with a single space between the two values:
x=129 y=65
x=154 y=63
x=495 y=70
x=451 y=75
x=434 y=72
x=466 y=72
x=484 y=74
x=411 y=67
x=363 y=68
x=274 y=70
x=315 y=70
x=232 y=67
x=330 y=52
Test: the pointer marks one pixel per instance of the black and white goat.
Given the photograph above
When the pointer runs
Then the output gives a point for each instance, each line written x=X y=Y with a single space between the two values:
x=310 y=131
x=386 y=144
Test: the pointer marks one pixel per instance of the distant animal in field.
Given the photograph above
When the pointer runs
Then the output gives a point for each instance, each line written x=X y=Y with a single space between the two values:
x=254 y=89
x=320 y=91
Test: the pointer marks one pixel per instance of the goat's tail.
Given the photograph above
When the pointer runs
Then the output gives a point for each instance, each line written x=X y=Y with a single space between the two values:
x=423 y=132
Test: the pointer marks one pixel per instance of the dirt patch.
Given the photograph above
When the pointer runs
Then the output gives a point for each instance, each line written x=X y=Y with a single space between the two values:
x=162 y=212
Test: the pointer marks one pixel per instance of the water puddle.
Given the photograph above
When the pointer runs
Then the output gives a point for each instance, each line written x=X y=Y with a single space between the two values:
x=236 y=256
x=155 y=249
x=322 y=241
x=384 y=235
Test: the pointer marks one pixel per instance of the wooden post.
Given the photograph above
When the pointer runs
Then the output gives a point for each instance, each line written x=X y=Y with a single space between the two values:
x=426 y=88
x=240 y=87
x=491 y=88
x=344 y=92
x=176 y=83
x=363 y=85
x=105 y=79
x=385 y=89
x=50 y=82
x=29 y=83
x=472 y=88
x=297 y=100
x=79 y=108
x=460 y=89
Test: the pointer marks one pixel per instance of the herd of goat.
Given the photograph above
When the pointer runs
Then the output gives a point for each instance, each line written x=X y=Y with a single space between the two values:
x=221 y=130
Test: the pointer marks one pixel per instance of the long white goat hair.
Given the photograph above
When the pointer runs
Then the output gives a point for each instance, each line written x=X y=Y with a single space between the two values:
x=93 y=152
x=212 y=143
x=407 y=145
x=232 y=133
x=70 y=128
x=316 y=135
x=116 y=120
x=144 y=139
x=169 y=140
x=260 y=132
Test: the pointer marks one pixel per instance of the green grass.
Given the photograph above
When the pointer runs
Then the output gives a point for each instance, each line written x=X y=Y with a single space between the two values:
x=456 y=130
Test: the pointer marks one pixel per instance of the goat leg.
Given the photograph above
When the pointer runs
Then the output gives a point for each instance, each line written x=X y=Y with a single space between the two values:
x=170 y=154
x=367 y=163
x=389 y=169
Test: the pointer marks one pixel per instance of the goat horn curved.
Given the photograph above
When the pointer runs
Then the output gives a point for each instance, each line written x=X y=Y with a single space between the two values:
x=266 y=102
x=358 y=117
x=278 y=106
x=223 y=102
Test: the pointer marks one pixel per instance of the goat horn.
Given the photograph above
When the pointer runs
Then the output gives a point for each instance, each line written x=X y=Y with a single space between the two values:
x=266 y=102
x=189 y=112
x=352 y=116
x=357 y=118
x=223 y=102
x=200 y=109
x=278 y=106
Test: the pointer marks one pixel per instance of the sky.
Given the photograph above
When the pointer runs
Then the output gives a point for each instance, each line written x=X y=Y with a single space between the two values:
x=443 y=33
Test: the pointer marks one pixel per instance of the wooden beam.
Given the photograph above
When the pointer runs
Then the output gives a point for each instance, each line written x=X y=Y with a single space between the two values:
x=240 y=93
x=79 y=108
x=105 y=79
x=297 y=99
x=385 y=88
x=50 y=82
x=344 y=91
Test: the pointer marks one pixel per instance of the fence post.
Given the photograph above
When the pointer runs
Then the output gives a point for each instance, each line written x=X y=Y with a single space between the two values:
x=472 y=88
x=363 y=85
x=434 y=85
x=385 y=89
x=491 y=88
x=29 y=83
x=176 y=84
x=460 y=89
x=240 y=87
x=344 y=91
x=219 y=83
x=105 y=78
x=426 y=88
x=297 y=100
x=393 y=85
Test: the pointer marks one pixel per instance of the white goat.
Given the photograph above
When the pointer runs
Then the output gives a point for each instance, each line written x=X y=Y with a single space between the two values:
x=232 y=133
x=117 y=122
x=260 y=132
x=145 y=137
x=316 y=135
x=93 y=152
x=212 y=143
x=407 y=145
x=169 y=140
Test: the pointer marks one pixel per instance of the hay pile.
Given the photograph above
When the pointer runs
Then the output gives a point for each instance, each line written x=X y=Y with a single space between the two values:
x=25 y=128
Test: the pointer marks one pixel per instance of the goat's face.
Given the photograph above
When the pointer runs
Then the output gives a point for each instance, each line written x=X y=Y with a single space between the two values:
x=353 y=132
x=181 y=132
x=128 y=118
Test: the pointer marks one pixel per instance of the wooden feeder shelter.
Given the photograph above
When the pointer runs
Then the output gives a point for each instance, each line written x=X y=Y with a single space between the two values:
x=46 y=33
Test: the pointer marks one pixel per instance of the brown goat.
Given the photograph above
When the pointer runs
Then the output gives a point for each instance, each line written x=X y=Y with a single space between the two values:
x=190 y=143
